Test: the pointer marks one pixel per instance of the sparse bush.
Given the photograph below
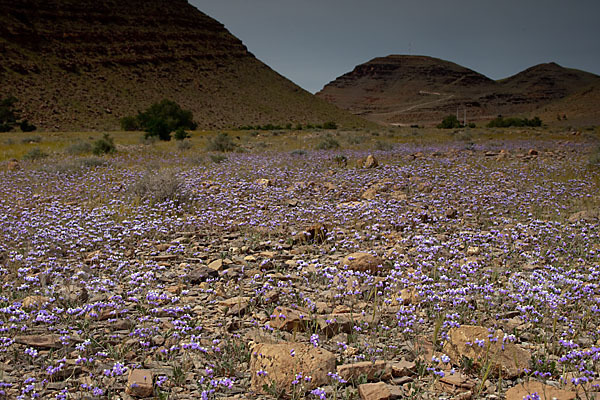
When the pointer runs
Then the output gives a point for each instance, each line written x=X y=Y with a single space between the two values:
x=357 y=139
x=35 y=154
x=594 y=160
x=328 y=143
x=330 y=125
x=184 y=145
x=218 y=158
x=298 y=153
x=76 y=165
x=222 y=142
x=450 y=122
x=341 y=160
x=105 y=145
x=501 y=122
x=383 y=146
x=159 y=186
x=31 y=139
x=181 y=134
x=472 y=125
x=79 y=148
x=130 y=123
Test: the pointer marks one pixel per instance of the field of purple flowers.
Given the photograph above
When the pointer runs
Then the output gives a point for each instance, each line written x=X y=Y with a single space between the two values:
x=451 y=270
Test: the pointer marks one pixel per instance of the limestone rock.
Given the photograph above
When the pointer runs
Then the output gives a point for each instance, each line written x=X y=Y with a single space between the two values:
x=139 y=383
x=279 y=363
x=473 y=342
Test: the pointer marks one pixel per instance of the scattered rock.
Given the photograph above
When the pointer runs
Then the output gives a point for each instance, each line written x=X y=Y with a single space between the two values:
x=40 y=341
x=140 y=383
x=264 y=182
x=201 y=274
x=371 y=162
x=403 y=368
x=378 y=370
x=31 y=302
x=289 y=319
x=279 y=363
x=374 y=391
x=13 y=165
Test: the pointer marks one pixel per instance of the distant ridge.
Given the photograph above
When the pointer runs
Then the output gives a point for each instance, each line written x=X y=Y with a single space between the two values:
x=401 y=89
x=83 y=64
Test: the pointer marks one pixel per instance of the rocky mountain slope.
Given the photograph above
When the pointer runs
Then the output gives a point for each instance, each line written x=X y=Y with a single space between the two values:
x=418 y=89
x=84 y=64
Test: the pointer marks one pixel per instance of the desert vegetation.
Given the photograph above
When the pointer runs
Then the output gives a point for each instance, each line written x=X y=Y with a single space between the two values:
x=403 y=263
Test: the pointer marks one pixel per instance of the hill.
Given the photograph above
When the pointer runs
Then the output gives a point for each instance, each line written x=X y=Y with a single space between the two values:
x=84 y=64
x=402 y=89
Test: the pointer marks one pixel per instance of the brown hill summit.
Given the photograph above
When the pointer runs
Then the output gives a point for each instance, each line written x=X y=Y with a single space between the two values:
x=417 y=89
x=83 y=64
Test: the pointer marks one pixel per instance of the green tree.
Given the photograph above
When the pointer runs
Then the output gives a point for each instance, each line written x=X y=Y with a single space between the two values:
x=450 y=122
x=8 y=114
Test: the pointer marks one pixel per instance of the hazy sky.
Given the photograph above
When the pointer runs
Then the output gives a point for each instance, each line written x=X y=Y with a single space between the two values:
x=312 y=42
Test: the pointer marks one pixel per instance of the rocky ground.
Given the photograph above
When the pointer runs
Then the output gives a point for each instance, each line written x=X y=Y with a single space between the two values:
x=438 y=272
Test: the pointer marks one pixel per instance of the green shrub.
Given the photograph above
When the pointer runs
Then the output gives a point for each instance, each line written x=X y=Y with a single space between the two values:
x=35 y=154
x=130 y=123
x=184 y=145
x=8 y=114
x=158 y=128
x=25 y=126
x=222 y=142
x=181 y=134
x=160 y=119
x=330 y=125
x=328 y=143
x=449 y=122
x=501 y=122
x=106 y=145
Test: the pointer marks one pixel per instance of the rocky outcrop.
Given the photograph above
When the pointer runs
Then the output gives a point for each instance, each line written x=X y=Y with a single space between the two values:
x=418 y=89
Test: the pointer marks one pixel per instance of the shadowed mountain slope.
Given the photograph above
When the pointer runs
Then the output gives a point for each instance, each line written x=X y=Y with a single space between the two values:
x=84 y=64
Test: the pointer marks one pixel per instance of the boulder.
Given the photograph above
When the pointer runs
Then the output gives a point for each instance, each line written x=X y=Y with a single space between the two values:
x=474 y=342
x=545 y=392
x=278 y=364
x=363 y=262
